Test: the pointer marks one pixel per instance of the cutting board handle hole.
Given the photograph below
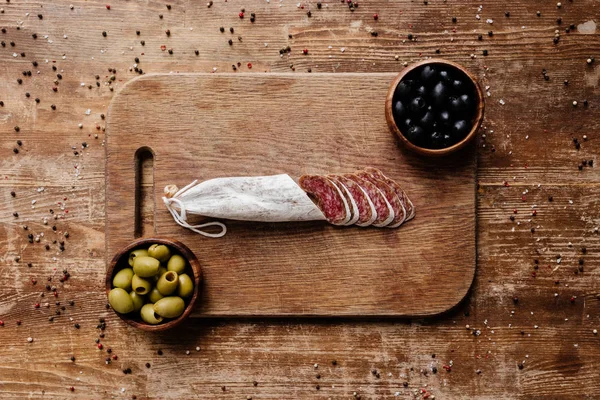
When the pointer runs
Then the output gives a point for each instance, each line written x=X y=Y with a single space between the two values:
x=144 y=192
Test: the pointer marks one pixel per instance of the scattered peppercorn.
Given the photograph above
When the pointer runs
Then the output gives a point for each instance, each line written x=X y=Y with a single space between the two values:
x=104 y=33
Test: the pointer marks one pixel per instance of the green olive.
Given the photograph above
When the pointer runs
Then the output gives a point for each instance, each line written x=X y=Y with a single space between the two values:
x=137 y=253
x=138 y=300
x=186 y=286
x=160 y=252
x=145 y=267
x=167 y=283
x=122 y=279
x=161 y=271
x=176 y=264
x=154 y=295
x=149 y=316
x=120 y=301
x=140 y=285
x=169 y=307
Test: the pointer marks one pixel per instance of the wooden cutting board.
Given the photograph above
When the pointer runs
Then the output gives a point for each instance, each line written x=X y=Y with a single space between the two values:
x=203 y=126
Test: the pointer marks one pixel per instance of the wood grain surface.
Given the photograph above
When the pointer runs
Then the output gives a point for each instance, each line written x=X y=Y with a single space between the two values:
x=525 y=148
x=204 y=126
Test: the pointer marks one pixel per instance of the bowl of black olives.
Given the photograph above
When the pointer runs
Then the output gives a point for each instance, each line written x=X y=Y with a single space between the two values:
x=435 y=107
x=153 y=283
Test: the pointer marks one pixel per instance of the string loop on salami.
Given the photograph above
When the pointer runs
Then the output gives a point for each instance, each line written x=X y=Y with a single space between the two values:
x=181 y=219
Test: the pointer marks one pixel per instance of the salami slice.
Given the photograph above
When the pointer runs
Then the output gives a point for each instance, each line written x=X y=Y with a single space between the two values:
x=385 y=213
x=408 y=205
x=345 y=200
x=354 y=212
x=367 y=213
x=391 y=197
x=327 y=196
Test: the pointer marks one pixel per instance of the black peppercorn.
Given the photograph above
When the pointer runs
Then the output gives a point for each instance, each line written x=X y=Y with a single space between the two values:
x=454 y=19
x=104 y=33
x=507 y=14
x=143 y=42
x=485 y=52
x=168 y=6
x=137 y=33
x=222 y=29
x=230 y=42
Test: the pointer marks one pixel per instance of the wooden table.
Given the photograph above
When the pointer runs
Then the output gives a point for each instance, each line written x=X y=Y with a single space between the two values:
x=527 y=330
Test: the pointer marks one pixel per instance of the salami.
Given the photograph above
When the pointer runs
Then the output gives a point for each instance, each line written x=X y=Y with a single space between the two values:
x=366 y=209
x=408 y=205
x=345 y=200
x=391 y=197
x=327 y=196
x=354 y=212
x=385 y=213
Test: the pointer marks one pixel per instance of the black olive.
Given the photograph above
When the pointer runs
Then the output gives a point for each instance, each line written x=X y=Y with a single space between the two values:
x=447 y=140
x=427 y=120
x=460 y=129
x=444 y=118
x=421 y=90
x=439 y=93
x=457 y=85
x=427 y=73
x=436 y=140
x=399 y=110
x=456 y=105
x=467 y=102
x=406 y=123
x=417 y=104
x=415 y=134
x=445 y=75
x=402 y=90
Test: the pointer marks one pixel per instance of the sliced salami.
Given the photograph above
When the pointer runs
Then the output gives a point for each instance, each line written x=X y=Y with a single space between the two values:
x=345 y=199
x=408 y=205
x=367 y=213
x=385 y=212
x=327 y=196
x=391 y=197
x=354 y=211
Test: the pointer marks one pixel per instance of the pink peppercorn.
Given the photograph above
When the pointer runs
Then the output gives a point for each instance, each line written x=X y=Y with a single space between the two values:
x=100 y=346
x=115 y=357
x=375 y=17
x=37 y=305
x=249 y=65
x=305 y=51
x=72 y=389
x=241 y=14
x=108 y=6
x=534 y=213
x=1 y=323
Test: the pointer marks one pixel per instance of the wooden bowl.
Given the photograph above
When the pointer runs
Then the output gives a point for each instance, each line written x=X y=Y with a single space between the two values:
x=120 y=260
x=477 y=119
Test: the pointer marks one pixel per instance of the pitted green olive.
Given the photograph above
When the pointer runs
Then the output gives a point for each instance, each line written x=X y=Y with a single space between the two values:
x=154 y=295
x=161 y=271
x=160 y=252
x=149 y=316
x=137 y=253
x=169 y=307
x=122 y=279
x=186 y=286
x=167 y=283
x=120 y=301
x=176 y=264
x=145 y=267
x=140 y=285
x=138 y=300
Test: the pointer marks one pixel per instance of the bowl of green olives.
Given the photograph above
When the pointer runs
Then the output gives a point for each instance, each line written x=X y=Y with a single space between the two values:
x=435 y=107
x=153 y=283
